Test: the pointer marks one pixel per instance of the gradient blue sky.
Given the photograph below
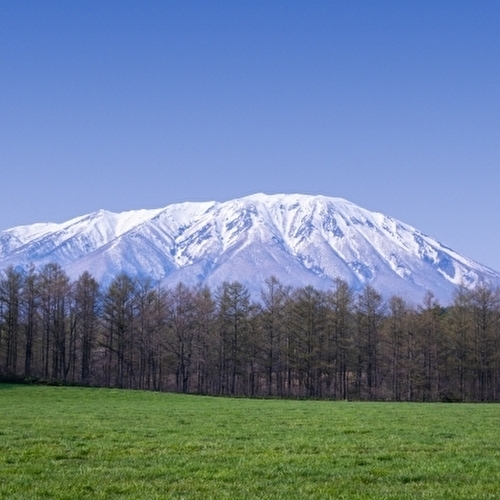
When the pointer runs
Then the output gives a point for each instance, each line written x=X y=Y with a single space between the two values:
x=121 y=105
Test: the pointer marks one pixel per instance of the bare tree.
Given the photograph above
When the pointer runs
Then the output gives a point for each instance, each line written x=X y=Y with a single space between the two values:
x=119 y=319
x=233 y=304
x=11 y=283
x=180 y=335
x=31 y=319
x=369 y=311
x=398 y=346
x=340 y=337
x=206 y=340
x=86 y=313
x=485 y=304
x=274 y=298
x=55 y=304
x=307 y=325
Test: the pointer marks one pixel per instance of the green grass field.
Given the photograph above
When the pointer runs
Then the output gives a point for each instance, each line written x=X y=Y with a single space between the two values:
x=61 y=442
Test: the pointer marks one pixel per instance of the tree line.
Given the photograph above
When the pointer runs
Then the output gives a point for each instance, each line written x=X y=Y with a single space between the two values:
x=295 y=342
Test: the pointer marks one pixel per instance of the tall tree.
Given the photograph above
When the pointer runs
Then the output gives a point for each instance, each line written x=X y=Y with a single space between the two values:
x=206 y=340
x=119 y=319
x=31 y=319
x=307 y=324
x=11 y=282
x=400 y=350
x=430 y=347
x=272 y=316
x=151 y=311
x=369 y=310
x=341 y=337
x=86 y=312
x=180 y=335
x=460 y=336
x=233 y=305
x=55 y=304
x=485 y=304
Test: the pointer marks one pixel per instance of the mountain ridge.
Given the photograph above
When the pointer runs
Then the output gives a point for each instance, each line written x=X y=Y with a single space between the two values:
x=301 y=239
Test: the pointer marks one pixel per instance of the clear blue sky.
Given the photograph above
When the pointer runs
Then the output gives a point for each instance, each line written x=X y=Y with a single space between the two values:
x=121 y=105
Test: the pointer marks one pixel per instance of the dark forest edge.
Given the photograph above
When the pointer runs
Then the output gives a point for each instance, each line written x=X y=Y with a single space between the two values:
x=294 y=343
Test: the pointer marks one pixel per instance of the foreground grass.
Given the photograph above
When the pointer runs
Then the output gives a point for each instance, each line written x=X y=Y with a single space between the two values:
x=60 y=442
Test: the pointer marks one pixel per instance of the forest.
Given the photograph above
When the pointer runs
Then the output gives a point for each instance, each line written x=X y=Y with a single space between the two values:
x=292 y=343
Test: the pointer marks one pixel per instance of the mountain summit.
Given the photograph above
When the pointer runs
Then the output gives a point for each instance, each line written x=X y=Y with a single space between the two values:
x=302 y=240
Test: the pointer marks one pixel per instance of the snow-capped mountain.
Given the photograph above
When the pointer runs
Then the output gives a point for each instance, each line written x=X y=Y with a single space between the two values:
x=302 y=240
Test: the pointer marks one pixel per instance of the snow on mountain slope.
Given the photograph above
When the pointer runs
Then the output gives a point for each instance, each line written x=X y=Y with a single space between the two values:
x=300 y=239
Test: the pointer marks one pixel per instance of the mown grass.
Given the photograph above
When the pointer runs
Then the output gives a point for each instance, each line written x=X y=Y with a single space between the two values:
x=69 y=443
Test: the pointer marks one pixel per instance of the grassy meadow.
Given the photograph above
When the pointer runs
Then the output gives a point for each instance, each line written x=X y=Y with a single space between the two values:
x=66 y=442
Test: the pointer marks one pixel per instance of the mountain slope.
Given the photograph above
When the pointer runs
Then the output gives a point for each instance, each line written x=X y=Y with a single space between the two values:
x=299 y=239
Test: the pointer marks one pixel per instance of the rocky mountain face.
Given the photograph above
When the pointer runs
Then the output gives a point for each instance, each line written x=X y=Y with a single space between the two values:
x=302 y=240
